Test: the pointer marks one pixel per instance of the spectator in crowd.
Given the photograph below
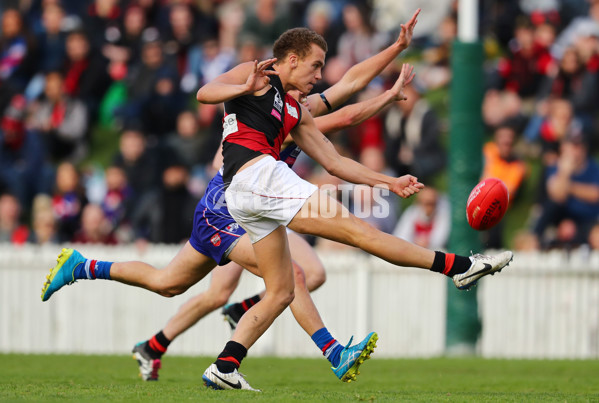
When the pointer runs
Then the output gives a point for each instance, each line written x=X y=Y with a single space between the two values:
x=573 y=80
x=142 y=77
x=553 y=120
x=375 y=206
x=61 y=120
x=17 y=56
x=183 y=32
x=436 y=71
x=187 y=143
x=413 y=137
x=124 y=46
x=528 y=62
x=426 y=222
x=85 y=71
x=573 y=192
x=320 y=18
x=116 y=204
x=360 y=40
x=101 y=16
x=581 y=25
x=166 y=215
x=24 y=165
x=231 y=17
x=159 y=111
x=68 y=200
x=502 y=162
x=95 y=227
x=265 y=20
x=208 y=61
x=141 y=164
x=51 y=41
x=11 y=228
x=43 y=222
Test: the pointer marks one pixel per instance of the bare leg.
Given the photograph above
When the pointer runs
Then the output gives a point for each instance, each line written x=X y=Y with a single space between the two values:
x=342 y=226
x=187 y=268
x=273 y=258
x=223 y=282
x=303 y=254
x=303 y=308
x=313 y=277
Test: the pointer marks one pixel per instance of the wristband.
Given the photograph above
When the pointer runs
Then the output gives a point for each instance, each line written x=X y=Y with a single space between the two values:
x=326 y=101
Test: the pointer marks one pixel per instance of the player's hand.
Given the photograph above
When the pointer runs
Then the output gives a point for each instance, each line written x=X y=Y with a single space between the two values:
x=259 y=78
x=405 y=78
x=407 y=30
x=303 y=99
x=405 y=186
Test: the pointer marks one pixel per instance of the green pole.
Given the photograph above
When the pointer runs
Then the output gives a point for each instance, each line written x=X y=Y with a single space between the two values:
x=465 y=156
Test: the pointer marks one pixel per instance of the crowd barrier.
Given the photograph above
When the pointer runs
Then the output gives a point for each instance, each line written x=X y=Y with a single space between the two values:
x=542 y=306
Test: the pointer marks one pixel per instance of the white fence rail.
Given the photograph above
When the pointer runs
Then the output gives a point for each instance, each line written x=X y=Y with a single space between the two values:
x=543 y=306
x=406 y=307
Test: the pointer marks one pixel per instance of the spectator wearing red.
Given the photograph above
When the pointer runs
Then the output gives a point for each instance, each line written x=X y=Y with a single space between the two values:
x=11 y=229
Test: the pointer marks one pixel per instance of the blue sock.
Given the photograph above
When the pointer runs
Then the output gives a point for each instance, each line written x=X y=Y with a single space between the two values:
x=93 y=269
x=330 y=348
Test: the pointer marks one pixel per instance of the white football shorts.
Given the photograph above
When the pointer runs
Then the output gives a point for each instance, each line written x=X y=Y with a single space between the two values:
x=266 y=195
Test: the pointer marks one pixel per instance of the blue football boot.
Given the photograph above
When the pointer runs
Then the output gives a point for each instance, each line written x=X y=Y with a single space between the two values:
x=352 y=357
x=63 y=273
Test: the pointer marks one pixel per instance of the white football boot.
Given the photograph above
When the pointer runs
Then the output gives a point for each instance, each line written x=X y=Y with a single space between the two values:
x=215 y=379
x=482 y=265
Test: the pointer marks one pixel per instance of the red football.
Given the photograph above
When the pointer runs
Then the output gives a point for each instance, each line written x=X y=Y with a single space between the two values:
x=487 y=204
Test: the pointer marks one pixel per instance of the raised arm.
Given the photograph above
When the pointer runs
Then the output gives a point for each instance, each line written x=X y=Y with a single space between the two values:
x=317 y=146
x=246 y=78
x=357 y=113
x=356 y=78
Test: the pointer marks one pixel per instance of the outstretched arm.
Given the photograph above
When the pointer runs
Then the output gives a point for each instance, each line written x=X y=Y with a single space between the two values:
x=317 y=146
x=357 y=113
x=246 y=78
x=356 y=78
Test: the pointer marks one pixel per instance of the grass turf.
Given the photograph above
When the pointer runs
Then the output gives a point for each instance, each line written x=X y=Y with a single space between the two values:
x=114 y=378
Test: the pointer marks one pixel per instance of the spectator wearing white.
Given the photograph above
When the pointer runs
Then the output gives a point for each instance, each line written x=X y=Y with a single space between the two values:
x=427 y=222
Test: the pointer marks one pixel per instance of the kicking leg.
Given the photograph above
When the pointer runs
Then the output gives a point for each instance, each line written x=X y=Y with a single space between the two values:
x=342 y=226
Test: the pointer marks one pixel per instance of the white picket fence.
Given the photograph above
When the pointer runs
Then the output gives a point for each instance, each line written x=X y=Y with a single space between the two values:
x=543 y=306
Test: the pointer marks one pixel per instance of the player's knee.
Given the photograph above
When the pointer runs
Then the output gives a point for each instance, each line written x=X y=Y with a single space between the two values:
x=171 y=291
x=282 y=299
x=315 y=278
x=299 y=276
x=219 y=301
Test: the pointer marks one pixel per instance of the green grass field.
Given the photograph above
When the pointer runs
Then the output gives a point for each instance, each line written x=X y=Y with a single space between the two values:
x=114 y=378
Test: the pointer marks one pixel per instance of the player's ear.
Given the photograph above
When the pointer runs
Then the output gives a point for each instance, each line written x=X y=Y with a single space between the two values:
x=293 y=60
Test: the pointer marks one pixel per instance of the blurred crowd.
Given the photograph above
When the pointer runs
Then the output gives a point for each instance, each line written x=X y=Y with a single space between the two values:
x=72 y=71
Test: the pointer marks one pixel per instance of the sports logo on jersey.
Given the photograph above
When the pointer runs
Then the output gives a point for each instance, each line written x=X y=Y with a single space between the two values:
x=278 y=101
x=292 y=110
x=295 y=152
x=229 y=124
x=215 y=240
x=232 y=227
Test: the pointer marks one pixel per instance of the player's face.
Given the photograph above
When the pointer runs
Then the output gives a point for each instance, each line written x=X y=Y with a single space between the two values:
x=309 y=70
